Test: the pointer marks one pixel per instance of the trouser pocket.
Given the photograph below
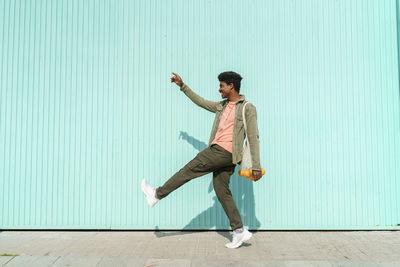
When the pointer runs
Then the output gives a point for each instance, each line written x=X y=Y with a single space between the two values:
x=196 y=164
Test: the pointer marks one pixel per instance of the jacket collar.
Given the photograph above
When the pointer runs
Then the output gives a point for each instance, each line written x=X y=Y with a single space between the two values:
x=242 y=98
x=225 y=101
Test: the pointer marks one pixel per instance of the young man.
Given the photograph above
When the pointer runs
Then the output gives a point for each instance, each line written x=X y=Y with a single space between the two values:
x=224 y=150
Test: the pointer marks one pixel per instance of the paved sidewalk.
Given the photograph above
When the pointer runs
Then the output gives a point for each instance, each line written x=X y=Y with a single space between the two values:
x=203 y=248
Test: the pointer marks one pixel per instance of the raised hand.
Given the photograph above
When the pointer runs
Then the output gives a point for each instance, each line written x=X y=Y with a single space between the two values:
x=177 y=79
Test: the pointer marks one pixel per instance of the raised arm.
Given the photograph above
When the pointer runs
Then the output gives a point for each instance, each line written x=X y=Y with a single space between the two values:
x=198 y=100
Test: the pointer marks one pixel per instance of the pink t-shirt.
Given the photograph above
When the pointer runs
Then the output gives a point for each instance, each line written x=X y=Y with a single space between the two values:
x=224 y=133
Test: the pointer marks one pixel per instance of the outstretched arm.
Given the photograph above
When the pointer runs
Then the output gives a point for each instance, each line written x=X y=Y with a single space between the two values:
x=198 y=100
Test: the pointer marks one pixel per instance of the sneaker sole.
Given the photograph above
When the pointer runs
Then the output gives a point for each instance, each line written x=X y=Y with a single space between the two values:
x=147 y=194
x=144 y=189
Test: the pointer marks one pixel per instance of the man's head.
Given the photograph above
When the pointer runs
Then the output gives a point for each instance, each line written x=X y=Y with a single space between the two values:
x=229 y=81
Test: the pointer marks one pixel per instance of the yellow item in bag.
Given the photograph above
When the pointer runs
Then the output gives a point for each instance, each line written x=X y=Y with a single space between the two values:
x=249 y=173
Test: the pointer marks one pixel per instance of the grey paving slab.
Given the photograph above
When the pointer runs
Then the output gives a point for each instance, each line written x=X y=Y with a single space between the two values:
x=5 y=259
x=21 y=260
x=121 y=262
x=203 y=248
x=230 y=263
x=41 y=261
x=308 y=264
x=168 y=262
x=365 y=264
x=83 y=261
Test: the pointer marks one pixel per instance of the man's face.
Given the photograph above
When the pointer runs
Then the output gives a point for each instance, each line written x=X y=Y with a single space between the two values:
x=225 y=89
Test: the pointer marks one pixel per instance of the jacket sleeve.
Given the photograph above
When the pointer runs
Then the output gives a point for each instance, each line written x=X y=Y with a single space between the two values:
x=198 y=100
x=253 y=136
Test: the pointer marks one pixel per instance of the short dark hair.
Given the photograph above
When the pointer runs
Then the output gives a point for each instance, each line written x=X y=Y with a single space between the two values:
x=231 y=77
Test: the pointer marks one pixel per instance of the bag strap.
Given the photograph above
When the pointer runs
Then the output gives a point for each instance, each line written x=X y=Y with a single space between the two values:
x=244 y=119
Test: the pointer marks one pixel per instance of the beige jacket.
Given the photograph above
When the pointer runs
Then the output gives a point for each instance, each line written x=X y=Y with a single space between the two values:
x=238 y=128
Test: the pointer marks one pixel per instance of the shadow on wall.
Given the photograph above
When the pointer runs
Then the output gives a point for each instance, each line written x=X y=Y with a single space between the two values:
x=242 y=191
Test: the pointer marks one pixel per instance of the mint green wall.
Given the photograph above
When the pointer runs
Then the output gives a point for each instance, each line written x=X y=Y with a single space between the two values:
x=87 y=110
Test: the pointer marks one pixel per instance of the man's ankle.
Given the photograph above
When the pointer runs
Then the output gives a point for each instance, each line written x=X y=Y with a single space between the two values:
x=239 y=230
x=156 y=195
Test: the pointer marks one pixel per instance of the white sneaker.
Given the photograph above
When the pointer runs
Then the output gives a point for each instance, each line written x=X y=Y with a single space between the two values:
x=239 y=238
x=150 y=193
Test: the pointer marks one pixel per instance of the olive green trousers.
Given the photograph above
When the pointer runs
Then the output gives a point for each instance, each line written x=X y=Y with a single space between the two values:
x=213 y=159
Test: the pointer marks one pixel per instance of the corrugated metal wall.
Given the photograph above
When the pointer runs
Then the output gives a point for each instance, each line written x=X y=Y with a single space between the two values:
x=87 y=110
